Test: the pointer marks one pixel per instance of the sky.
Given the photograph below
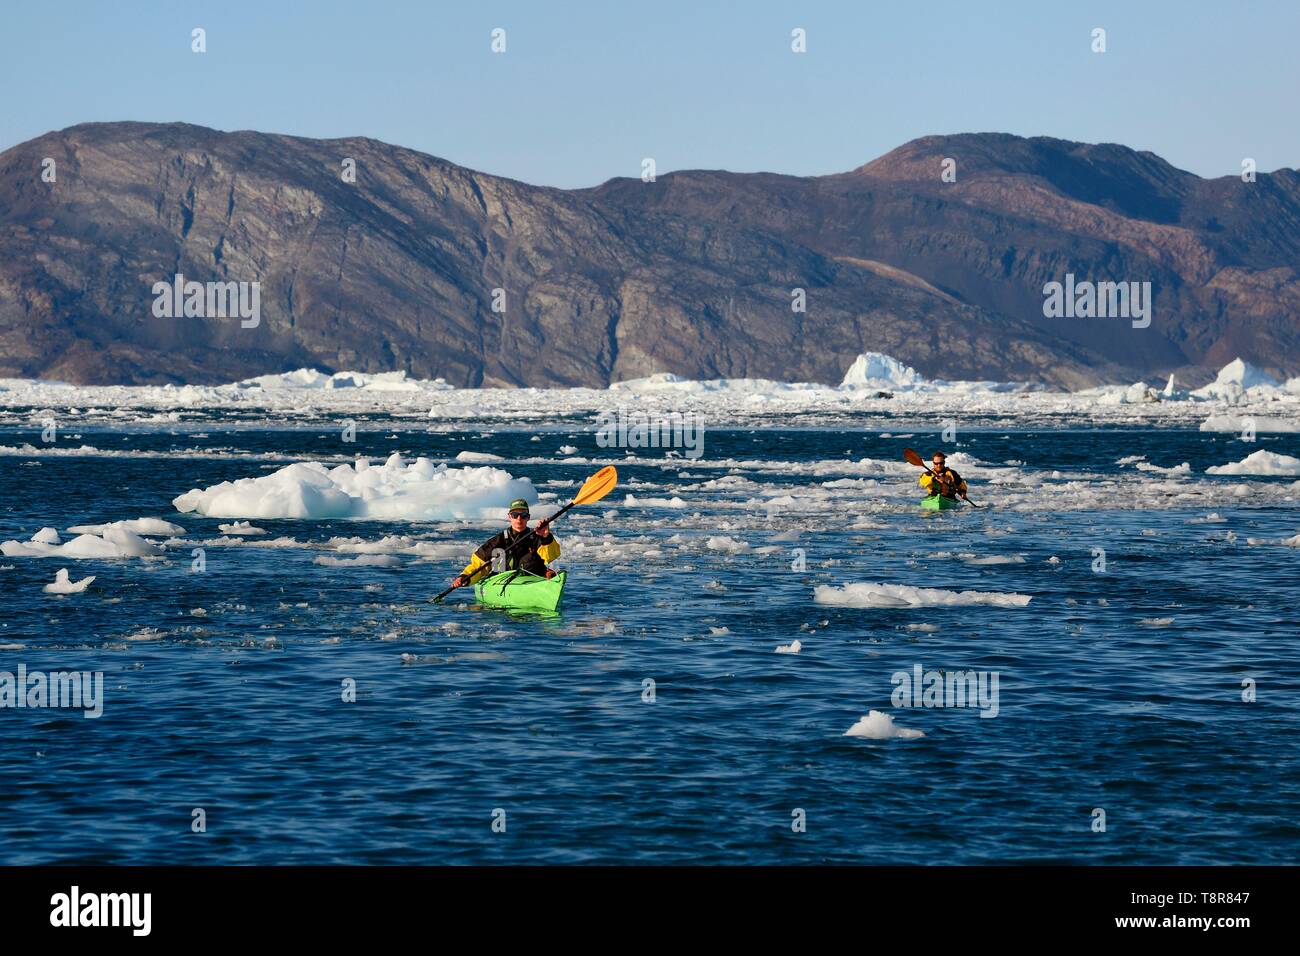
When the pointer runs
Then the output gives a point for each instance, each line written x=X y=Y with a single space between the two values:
x=585 y=91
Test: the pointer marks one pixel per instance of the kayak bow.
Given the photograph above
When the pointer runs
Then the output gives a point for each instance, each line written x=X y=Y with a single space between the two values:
x=520 y=591
x=939 y=503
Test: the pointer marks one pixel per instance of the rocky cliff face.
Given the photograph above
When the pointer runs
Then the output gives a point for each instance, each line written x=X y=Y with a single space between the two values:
x=692 y=274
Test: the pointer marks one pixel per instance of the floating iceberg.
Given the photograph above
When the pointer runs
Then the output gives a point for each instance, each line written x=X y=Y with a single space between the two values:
x=1234 y=380
x=1259 y=463
x=61 y=584
x=113 y=542
x=881 y=726
x=874 y=370
x=419 y=491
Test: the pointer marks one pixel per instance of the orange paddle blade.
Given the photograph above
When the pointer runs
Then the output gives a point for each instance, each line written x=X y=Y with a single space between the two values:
x=912 y=457
x=597 y=486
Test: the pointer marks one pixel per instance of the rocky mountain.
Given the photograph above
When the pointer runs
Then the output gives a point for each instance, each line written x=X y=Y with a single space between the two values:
x=692 y=274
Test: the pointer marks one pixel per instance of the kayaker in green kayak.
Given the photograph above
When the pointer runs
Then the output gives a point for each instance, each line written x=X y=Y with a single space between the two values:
x=517 y=554
x=944 y=481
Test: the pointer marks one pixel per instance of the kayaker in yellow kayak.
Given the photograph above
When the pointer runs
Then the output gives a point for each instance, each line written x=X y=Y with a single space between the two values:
x=944 y=481
x=530 y=556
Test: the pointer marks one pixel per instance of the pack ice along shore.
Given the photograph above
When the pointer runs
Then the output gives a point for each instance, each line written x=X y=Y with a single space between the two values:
x=668 y=411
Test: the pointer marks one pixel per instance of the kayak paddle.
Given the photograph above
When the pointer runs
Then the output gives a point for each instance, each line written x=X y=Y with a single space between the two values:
x=593 y=489
x=914 y=459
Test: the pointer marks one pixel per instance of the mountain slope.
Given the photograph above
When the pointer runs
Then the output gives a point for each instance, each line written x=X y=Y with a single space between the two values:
x=692 y=274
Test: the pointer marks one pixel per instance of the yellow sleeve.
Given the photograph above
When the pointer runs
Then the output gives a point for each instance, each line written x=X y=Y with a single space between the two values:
x=926 y=481
x=549 y=551
x=475 y=562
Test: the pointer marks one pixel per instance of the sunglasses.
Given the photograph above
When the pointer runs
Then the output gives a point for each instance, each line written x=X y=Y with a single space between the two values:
x=519 y=514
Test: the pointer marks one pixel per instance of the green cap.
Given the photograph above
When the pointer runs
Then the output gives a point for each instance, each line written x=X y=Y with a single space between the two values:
x=519 y=504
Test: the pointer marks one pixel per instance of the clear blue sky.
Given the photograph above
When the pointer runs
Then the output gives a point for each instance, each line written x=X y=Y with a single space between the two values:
x=585 y=90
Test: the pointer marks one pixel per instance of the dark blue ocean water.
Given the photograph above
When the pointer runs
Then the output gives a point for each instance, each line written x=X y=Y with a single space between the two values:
x=461 y=711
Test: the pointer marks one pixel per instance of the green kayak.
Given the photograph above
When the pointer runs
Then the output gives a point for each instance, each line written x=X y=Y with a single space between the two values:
x=521 y=592
x=939 y=503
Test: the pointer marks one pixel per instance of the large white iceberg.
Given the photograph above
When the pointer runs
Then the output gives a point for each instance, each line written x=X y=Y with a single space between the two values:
x=1234 y=380
x=874 y=370
x=396 y=490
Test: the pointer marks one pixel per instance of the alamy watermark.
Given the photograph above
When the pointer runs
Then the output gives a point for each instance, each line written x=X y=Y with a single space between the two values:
x=79 y=690
x=1098 y=300
x=78 y=908
x=208 y=300
x=624 y=429
x=922 y=688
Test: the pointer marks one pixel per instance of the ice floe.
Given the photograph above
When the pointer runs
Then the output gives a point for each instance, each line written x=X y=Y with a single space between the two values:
x=1261 y=462
x=1173 y=471
x=240 y=527
x=360 y=560
x=113 y=542
x=905 y=596
x=155 y=527
x=1292 y=542
x=1260 y=424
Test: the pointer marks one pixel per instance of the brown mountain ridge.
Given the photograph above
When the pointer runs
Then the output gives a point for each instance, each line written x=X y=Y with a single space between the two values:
x=691 y=274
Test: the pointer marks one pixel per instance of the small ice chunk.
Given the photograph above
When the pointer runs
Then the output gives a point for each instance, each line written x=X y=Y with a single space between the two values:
x=793 y=648
x=62 y=585
x=478 y=457
x=880 y=726
x=240 y=527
